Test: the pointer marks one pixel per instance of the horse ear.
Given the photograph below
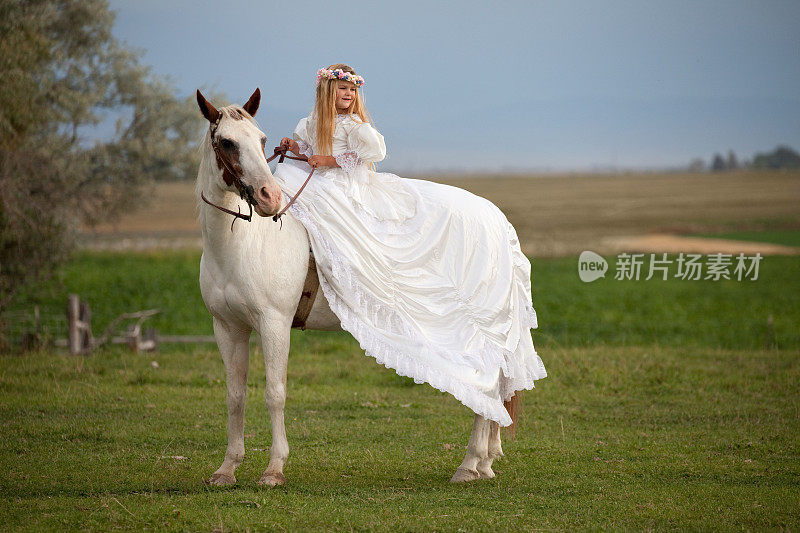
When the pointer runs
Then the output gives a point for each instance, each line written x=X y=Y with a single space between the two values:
x=252 y=105
x=208 y=110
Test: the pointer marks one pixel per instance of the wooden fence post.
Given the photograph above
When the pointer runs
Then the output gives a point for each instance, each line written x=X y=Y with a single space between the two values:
x=79 y=325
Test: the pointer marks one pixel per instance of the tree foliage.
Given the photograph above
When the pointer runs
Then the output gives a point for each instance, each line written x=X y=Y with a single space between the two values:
x=63 y=75
x=718 y=163
x=732 y=163
x=780 y=157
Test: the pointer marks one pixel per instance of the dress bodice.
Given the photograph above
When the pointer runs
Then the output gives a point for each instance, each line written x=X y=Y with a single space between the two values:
x=350 y=135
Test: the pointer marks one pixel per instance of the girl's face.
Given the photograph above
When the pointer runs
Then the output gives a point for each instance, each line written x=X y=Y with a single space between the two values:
x=345 y=95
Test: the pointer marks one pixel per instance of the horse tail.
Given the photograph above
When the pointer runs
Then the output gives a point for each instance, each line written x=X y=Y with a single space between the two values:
x=512 y=406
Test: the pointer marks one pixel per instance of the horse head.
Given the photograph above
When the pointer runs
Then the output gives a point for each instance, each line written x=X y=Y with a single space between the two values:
x=238 y=146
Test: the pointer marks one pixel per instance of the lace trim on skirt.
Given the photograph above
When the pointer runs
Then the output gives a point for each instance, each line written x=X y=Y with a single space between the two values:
x=515 y=376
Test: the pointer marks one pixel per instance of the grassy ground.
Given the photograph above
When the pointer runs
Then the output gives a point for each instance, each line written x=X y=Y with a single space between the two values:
x=785 y=237
x=621 y=437
x=662 y=410
x=728 y=314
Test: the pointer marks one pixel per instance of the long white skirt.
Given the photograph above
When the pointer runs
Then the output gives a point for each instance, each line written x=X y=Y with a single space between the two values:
x=430 y=280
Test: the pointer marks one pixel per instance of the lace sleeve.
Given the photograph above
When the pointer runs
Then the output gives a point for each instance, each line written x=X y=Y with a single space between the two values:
x=305 y=148
x=348 y=161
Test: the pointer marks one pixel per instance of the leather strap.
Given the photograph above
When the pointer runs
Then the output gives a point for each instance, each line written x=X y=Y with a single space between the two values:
x=307 y=297
x=225 y=210
x=279 y=150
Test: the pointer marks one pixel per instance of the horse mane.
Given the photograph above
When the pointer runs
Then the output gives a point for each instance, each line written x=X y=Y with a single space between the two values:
x=236 y=112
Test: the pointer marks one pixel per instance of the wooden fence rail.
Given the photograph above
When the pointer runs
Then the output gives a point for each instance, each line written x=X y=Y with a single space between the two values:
x=79 y=331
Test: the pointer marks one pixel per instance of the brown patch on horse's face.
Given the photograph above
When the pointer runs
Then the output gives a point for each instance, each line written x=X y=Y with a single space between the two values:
x=238 y=147
x=235 y=114
x=227 y=155
x=227 y=149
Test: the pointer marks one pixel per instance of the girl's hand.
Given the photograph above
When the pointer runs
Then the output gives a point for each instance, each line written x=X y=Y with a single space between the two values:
x=291 y=145
x=322 y=161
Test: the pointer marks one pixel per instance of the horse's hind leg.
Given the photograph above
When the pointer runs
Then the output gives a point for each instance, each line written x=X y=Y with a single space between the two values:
x=495 y=450
x=234 y=346
x=477 y=451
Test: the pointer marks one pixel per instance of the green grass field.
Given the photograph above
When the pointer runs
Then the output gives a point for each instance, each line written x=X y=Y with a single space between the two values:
x=726 y=314
x=669 y=405
x=787 y=237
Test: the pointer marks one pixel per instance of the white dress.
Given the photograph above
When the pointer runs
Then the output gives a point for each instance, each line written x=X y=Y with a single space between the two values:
x=430 y=279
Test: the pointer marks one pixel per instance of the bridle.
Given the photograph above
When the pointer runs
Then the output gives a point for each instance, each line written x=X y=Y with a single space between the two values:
x=246 y=192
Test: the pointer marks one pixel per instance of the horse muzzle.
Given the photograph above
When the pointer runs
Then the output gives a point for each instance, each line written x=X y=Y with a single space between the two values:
x=268 y=199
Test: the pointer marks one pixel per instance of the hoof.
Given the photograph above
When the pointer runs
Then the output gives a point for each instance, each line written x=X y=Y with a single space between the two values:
x=272 y=479
x=486 y=473
x=221 y=480
x=463 y=475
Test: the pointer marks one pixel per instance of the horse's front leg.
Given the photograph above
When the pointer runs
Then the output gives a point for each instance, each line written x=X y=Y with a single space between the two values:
x=275 y=342
x=233 y=344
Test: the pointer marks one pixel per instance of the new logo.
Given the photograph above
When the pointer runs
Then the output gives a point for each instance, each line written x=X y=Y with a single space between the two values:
x=591 y=266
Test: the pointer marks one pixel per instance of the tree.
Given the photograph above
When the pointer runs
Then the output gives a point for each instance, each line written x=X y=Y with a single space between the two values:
x=718 y=163
x=781 y=157
x=63 y=73
x=696 y=165
x=732 y=163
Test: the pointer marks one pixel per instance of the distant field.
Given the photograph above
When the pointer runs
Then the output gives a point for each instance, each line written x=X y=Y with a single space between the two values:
x=560 y=216
x=557 y=216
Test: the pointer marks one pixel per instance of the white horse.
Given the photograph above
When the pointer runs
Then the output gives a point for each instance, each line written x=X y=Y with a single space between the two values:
x=251 y=278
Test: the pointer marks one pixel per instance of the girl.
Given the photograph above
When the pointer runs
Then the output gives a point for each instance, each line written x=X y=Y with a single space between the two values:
x=428 y=278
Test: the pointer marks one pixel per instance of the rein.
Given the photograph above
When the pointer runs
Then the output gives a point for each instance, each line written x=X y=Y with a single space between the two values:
x=282 y=151
x=279 y=151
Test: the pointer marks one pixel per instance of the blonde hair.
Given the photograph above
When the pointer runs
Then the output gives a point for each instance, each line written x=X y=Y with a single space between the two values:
x=325 y=109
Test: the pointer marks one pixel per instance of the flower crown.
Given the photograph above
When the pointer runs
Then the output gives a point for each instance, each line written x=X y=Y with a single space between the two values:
x=339 y=74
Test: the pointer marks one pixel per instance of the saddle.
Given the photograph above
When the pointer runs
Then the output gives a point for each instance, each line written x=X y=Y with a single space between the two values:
x=307 y=297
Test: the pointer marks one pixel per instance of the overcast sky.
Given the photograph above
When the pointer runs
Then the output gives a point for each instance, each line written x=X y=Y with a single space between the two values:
x=502 y=85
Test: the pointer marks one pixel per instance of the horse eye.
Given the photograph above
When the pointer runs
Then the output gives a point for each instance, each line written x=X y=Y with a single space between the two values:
x=227 y=144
